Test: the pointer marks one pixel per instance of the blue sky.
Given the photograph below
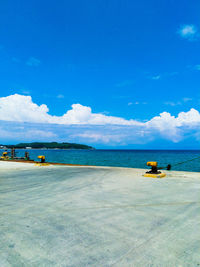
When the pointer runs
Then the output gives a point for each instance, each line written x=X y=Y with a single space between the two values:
x=127 y=59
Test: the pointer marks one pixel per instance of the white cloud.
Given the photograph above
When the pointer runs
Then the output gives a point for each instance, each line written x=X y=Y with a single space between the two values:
x=114 y=135
x=171 y=127
x=157 y=77
x=60 y=96
x=21 y=108
x=171 y=103
x=166 y=125
x=25 y=92
x=22 y=133
x=80 y=122
x=187 y=99
x=83 y=115
x=189 y=118
x=177 y=103
x=188 y=31
x=100 y=137
x=33 y=62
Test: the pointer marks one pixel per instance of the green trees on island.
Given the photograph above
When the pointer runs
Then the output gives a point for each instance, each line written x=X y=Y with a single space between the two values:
x=50 y=145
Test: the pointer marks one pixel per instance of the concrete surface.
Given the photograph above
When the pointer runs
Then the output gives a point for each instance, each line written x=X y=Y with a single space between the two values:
x=88 y=216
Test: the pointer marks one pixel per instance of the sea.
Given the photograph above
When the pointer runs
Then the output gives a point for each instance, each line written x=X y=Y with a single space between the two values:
x=180 y=160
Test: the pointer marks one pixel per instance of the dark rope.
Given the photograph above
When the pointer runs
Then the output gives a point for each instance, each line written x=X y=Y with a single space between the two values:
x=169 y=165
x=185 y=161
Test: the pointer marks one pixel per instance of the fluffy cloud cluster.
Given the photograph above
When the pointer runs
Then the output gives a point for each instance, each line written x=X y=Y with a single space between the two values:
x=190 y=118
x=80 y=123
x=22 y=109
x=172 y=127
x=189 y=32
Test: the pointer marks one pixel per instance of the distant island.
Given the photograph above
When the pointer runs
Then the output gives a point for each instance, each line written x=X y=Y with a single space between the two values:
x=48 y=145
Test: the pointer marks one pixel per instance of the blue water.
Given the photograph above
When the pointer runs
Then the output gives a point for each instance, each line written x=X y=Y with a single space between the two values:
x=121 y=158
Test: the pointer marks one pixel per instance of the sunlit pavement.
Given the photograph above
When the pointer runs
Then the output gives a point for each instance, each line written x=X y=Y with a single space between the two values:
x=88 y=216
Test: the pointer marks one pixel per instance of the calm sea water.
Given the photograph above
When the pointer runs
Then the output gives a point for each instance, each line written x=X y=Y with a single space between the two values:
x=121 y=158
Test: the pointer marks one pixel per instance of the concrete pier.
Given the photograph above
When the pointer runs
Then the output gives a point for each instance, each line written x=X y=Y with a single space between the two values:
x=97 y=216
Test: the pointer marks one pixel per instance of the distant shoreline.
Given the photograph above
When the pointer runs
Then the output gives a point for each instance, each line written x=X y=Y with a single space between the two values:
x=103 y=149
x=46 y=145
x=49 y=148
